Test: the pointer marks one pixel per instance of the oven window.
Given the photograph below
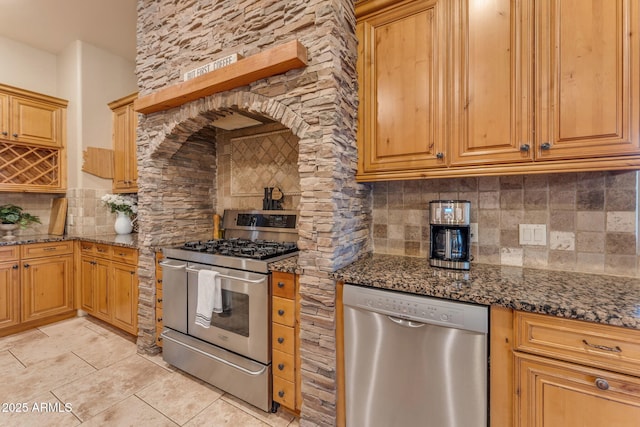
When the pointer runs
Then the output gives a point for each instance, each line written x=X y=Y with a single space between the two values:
x=235 y=313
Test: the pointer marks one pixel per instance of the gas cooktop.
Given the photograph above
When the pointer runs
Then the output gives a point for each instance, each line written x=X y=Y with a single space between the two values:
x=244 y=248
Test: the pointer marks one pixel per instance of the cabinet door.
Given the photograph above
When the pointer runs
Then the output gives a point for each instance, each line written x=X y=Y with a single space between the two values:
x=35 y=122
x=9 y=293
x=102 y=289
x=492 y=82
x=124 y=145
x=125 y=297
x=553 y=393
x=588 y=81
x=401 y=69
x=46 y=287
x=87 y=284
x=4 y=116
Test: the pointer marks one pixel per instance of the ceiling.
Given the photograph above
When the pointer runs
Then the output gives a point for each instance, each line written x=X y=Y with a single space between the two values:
x=51 y=25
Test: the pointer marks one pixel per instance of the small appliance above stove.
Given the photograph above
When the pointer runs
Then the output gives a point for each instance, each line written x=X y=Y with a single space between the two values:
x=254 y=238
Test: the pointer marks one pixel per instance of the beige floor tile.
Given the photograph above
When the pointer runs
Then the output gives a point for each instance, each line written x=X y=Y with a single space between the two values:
x=279 y=419
x=106 y=351
x=94 y=393
x=9 y=363
x=179 y=396
x=7 y=343
x=158 y=360
x=44 y=410
x=221 y=413
x=42 y=377
x=131 y=412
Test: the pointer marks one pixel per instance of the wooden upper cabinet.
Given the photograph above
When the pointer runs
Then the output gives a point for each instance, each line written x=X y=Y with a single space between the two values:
x=491 y=97
x=401 y=68
x=125 y=121
x=36 y=122
x=587 y=57
x=4 y=115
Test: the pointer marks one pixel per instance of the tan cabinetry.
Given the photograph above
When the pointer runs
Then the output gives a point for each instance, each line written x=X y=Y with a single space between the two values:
x=159 y=323
x=32 y=141
x=526 y=87
x=125 y=121
x=285 y=335
x=9 y=286
x=109 y=284
x=569 y=372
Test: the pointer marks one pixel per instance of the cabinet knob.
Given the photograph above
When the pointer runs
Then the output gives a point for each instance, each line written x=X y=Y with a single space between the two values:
x=602 y=384
x=159 y=319
x=27 y=266
x=159 y=299
x=280 y=340
x=280 y=312
x=440 y=156
x=159 y=280
x=15 y=135
x=524 y=147
x=545 y=146
x=280 y=284
x=15 y=267
x=281 y=366
x=5 y=133
x=281 y=393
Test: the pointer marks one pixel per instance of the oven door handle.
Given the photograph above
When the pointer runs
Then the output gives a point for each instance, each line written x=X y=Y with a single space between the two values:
x=226 y=276
x=216 y=358
x=176 y=267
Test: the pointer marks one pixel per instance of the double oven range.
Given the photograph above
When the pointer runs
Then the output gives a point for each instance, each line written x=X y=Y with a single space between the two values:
x=234 y=352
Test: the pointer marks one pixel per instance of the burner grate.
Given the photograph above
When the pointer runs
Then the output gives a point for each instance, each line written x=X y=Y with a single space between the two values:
x=243 y=248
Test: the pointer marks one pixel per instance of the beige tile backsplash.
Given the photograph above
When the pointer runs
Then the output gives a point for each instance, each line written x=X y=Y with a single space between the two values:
x=591 y=219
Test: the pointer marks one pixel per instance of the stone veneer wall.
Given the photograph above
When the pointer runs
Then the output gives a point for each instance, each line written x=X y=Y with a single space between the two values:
x=591 y=219
x=318 y=104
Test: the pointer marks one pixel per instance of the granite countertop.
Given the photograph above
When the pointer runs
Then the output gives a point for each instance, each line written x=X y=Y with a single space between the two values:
x=125 y=240
x=287 y=265
x=597 y=298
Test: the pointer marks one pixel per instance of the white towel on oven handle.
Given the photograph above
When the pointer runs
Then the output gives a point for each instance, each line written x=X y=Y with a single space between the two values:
x=209 y=297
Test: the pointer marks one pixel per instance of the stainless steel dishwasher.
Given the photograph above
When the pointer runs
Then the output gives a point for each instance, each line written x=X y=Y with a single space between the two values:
x=413 y=360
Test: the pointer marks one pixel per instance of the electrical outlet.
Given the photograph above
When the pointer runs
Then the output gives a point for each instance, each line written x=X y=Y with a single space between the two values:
x=474 y=232
x=70 y=219
x=533 y=234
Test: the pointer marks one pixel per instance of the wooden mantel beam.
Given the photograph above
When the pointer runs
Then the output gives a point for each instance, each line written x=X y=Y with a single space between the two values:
x=276 y=60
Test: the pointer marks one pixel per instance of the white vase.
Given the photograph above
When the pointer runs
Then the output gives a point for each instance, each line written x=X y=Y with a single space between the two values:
x=8 y=231
x=123 y=224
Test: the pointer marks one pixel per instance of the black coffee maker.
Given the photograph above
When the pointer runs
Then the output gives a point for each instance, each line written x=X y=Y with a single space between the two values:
x=450 y=234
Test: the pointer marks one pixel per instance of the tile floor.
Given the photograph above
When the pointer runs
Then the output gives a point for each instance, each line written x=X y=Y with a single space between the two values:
x=81 y=371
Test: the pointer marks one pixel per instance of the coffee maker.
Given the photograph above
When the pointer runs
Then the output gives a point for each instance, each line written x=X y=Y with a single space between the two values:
x=450 y=234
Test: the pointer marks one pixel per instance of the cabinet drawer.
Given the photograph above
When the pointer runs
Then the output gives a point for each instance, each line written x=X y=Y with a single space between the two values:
x=87 y=248
x=284 y=284
x=125 y=255
x=283 y=365
x=282 y=338
x=8 y=253
x=284 y=392
x=608 y=347
x=103 y=251
x=283 y=311
x=46 y=249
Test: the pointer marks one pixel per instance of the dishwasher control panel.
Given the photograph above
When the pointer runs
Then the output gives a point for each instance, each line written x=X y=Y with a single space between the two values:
x=418 y=308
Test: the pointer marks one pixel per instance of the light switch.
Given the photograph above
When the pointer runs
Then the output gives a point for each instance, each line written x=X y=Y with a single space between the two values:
x=533 y=234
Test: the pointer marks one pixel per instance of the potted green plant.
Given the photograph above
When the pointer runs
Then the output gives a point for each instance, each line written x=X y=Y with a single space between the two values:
x=13 y=217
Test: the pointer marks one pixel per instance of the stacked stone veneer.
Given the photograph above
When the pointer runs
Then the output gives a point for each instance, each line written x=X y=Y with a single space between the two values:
x=177 y=150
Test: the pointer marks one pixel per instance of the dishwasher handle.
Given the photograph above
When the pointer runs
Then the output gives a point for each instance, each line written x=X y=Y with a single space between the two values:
x=406 y=323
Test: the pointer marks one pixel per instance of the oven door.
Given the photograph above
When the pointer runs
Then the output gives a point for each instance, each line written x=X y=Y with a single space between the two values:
x=243 y=325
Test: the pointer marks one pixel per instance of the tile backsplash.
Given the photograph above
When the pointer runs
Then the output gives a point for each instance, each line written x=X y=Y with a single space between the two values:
x=590 y=218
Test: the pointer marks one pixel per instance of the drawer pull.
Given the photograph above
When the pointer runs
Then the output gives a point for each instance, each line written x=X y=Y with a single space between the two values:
x=602 y=384
x=281 y=366
x=281 y=285
x=280 y=312
x=280 y=340
x=615 y=349
x=281 y=393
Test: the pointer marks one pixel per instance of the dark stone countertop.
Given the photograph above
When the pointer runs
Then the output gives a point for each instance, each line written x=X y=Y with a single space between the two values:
x=287 y=265
x=596 y=298
x=125 y=240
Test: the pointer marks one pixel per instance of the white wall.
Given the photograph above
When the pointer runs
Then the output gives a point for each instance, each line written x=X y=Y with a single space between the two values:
x=28 y=68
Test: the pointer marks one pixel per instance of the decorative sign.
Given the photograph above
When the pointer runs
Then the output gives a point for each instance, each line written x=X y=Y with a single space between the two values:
x=211 y=66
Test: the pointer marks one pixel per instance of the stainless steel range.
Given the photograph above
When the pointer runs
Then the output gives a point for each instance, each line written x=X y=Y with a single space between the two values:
x=217 y=306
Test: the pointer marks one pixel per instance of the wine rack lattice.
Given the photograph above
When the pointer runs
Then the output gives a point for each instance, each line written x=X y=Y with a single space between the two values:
x=29 y=165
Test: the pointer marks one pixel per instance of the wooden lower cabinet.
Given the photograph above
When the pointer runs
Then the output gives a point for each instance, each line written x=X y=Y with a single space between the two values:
x=9 y=287
x=557 y=393
x=285 y=332
x=46 y=287
x=109 y=284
